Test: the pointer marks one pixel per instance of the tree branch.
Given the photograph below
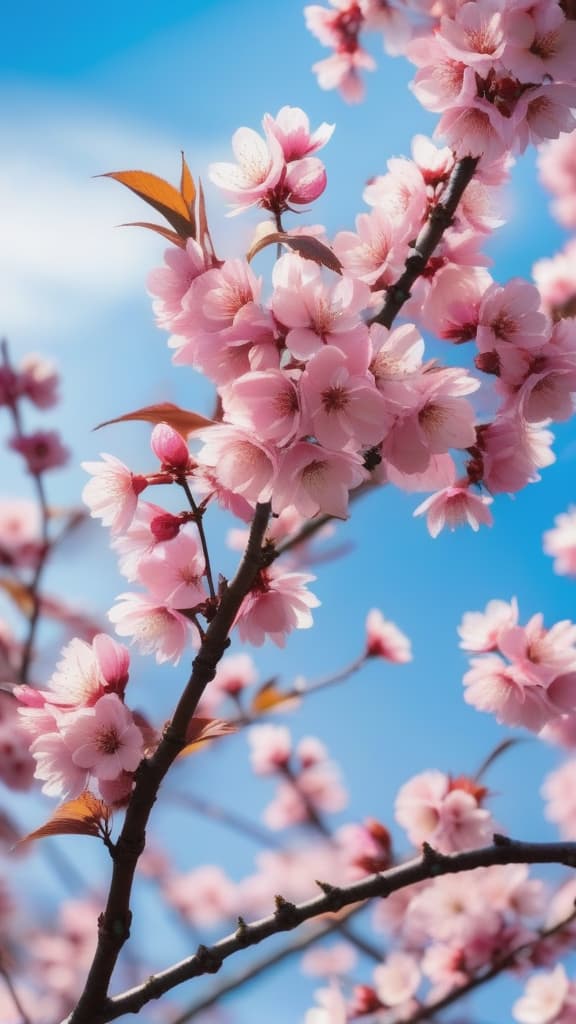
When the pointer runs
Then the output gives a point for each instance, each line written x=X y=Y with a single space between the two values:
x=431 y=864
x=114 y=923
x=439 y=219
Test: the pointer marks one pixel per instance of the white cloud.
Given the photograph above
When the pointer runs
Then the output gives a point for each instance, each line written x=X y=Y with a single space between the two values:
x=63 y=261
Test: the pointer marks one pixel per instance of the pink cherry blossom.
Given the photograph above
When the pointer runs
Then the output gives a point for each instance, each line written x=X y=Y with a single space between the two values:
x=169 y=284
x=560 y=542
x=112 y=493
x=104 y=739
x=397 y=980
x=481 y=631
x=442 y=812
x=154 y=628
x=253 y=178
x=238 y=461
x=453 y=507
x=277 y=603
x=385 y=640
x=559 y=792
x=338 y=959
x=549 y=998
x=204 y=896
x=174 y=572
x=314 y=313
x=292 y=129
x=42 y=450
x=39 y=381
x=341 y=407
x=316 y=480
x=376 y=252
x=270 y=748
x=267 y=402
x=440 y=418
x=557 y=165
x=492 y=685
x=510 y=315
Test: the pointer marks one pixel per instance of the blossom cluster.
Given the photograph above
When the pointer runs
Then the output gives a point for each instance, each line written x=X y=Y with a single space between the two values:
x=81 y=733
x=525 y=675
x=500 y=74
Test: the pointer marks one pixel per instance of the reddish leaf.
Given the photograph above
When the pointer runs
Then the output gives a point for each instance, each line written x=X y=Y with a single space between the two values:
x=83 y=816
x=188 y=191
x=202 y=730
x=19 y=594
x=269 y=697
x=183 y=420
x=159 y=194
x=167 y=233
x=312 y=248
x=307 y=245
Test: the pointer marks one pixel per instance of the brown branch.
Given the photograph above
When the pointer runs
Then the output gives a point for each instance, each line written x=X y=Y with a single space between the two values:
x=114 y=923
x=439 y=218
x=431 y=864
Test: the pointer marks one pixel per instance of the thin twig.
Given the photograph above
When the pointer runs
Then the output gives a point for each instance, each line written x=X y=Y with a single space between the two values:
x=114 y=923
x=199 y=520
x=439 y=218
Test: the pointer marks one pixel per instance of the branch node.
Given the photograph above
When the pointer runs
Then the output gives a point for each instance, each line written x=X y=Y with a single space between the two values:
x=242 y=935
x=433 y=859
x=333 y=892
x=209 y=961
x=286 y=913
x=499 y=840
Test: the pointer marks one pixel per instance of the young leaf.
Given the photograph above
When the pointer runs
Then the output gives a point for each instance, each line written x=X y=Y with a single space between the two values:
x=307 y=245
x=183 y=420
x=159 y=194
x=167 y=233
x=202 y=730
x=83 y=816
x=268 y=697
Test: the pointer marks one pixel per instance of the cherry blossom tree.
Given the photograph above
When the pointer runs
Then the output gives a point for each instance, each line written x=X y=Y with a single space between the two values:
x=318 y=349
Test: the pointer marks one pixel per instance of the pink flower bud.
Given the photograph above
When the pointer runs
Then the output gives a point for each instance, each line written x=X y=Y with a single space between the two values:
x=165 y=527
x=169 y=446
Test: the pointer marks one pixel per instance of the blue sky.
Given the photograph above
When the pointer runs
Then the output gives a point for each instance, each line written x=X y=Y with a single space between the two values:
x=128 y=86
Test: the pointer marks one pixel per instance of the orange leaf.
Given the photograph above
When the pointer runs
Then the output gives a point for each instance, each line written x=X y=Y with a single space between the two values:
x=202 y=730
x=83 y=816
x=167 y=233
x=308 y=246
x=188 y=191
x=183 y=420
x=19 y=594
x=159 y=194
x=268 y=697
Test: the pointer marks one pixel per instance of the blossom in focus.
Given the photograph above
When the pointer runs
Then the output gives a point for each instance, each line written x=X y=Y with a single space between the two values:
x=104 y=739
x=112 y=493
x=277 y=603
x=454 y=506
